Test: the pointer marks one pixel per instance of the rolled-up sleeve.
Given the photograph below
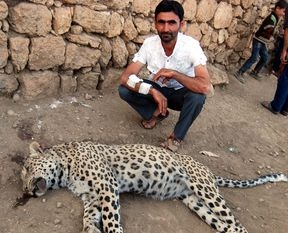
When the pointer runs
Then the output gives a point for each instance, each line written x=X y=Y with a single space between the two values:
x=141 y=55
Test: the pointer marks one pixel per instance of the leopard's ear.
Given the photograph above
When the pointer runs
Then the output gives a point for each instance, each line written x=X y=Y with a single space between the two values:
x=35 y=149
x=40 y=183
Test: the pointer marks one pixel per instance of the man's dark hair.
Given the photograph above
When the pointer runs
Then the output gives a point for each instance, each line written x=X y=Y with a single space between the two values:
x=281 y=4
x=168 y=6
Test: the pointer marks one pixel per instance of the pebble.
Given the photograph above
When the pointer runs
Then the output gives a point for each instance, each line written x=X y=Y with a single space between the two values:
x=57 y=221
x=282 y=150
x=11 y=113
x=88 y=96
x=59 y=205
x=15 y=124
x=259 y=149
x=16 y=97
x=44 y=200
x=261 y=200
x=274 y=153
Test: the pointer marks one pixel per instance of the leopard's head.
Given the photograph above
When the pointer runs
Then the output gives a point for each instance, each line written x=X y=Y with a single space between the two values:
x=38 y=172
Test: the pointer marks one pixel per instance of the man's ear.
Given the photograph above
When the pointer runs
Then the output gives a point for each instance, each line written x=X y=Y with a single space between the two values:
x=183 y=26
x=35 y=149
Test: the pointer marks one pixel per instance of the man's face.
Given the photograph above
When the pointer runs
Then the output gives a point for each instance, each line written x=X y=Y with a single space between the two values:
x=168 y=25
x=280 y=12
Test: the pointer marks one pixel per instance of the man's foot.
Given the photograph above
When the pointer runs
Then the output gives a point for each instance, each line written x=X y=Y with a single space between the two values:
x=150 y=124
x=275 y=73
x=239 y=76
x=171 y=144
x=267 y=105
x=255 y=75
x=284 y=113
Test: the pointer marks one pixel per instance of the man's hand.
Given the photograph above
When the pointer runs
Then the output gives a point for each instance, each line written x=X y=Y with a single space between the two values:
x=283 y=57
x=164 y=75
x=200 y=83
x=160 y=99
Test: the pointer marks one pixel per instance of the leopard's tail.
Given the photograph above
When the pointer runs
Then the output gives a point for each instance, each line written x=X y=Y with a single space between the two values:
x=268 y=178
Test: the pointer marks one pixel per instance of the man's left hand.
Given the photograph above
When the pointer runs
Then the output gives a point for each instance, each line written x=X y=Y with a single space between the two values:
x=163 y=75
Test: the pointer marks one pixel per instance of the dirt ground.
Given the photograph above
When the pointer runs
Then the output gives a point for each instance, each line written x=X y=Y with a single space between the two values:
x=248 y=139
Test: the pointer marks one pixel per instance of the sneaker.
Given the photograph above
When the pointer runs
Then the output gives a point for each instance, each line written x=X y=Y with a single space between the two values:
x=239 y=76
x=255 y=75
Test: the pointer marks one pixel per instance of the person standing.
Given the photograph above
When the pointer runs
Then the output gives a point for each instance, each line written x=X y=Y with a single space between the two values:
x=280 y=102
x=178 y=79
x=260 y=40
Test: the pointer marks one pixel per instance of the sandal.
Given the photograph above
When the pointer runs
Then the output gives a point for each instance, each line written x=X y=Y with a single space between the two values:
x=171 y=144
x=150 y=124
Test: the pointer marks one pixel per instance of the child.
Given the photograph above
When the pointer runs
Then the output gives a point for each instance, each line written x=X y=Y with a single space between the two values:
x=260 y=41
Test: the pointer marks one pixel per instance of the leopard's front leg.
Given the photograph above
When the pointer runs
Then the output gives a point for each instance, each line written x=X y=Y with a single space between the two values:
x=92 y=219
x=110 y=209
x=101 y=210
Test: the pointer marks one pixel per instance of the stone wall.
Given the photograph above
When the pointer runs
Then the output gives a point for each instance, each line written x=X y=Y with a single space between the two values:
x=50 y=46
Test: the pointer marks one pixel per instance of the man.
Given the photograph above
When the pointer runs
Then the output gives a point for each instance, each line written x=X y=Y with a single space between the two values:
x=260 y=41
x=280 y=102
x=178 y=79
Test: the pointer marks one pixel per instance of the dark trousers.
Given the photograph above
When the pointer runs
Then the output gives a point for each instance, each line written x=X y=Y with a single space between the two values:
x=258 y=50
x=278 y=49
x=280 y=101
x=187 y=102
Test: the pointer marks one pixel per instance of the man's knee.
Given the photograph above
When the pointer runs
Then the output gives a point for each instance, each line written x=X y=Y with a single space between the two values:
x=124 y=92
x=195 y=98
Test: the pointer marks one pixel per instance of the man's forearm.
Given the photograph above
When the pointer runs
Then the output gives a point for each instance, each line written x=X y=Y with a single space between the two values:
x=285 y=46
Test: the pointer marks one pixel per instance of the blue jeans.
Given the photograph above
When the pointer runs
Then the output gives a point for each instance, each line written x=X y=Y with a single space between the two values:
x=258 y=49
x=280 y=101
x=187 y=102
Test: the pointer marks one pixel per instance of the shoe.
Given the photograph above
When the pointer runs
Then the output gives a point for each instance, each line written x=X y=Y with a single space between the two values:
x=275 y=73
x=150 y=124
x=267 y=105
x=171 y=144
x=239 y=76
x=255 y=75
x=284 y=113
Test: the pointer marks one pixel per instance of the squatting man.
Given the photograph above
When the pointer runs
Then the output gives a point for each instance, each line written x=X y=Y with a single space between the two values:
x=178 y=78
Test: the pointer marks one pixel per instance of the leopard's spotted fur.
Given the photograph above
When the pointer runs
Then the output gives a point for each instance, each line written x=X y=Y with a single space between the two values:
x=98 y=173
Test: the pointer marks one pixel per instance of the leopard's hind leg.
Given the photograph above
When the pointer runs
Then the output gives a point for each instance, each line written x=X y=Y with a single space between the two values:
x=211 y=208
x=195 y=204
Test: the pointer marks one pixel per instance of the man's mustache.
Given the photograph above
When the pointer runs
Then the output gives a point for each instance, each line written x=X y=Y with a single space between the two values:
x=166 y=34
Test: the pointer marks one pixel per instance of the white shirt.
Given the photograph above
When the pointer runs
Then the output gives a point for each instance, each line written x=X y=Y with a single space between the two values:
x=186 y=55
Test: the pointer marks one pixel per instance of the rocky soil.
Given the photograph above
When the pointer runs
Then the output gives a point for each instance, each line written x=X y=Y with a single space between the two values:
x=248 y=139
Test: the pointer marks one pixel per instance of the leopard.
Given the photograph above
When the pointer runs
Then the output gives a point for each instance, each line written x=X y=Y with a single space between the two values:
x=98 y=173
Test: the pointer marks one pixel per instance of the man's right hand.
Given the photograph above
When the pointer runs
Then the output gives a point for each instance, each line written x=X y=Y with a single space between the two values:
x=160 y=99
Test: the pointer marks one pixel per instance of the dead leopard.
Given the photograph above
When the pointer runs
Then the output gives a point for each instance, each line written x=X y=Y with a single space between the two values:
x=98 y=173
